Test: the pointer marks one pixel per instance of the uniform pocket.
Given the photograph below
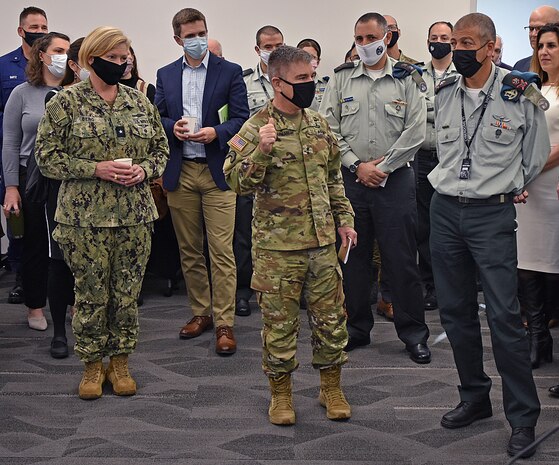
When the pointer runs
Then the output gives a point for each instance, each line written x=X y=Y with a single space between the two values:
x=498 y=135
x=349 y=108
x=88 y=129
x=145 y=132
x=265 y=284
x=446 y=135
x=395 y=109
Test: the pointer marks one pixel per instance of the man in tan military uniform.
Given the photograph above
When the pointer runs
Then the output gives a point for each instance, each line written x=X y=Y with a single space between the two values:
x=393 y=49
x=439 y=68
x=259 y=87
x=492 y=141
x=378 y=113
x=288 y=156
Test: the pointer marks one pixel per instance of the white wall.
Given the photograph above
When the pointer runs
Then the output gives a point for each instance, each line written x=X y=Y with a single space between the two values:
x=234 y=24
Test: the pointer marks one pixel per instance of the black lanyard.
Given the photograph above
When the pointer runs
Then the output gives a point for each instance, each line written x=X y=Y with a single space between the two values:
x=484 y=107
x=261 y=79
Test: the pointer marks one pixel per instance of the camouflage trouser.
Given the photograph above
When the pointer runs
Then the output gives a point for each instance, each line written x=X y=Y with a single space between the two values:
x=108 y=266
x=279 y=278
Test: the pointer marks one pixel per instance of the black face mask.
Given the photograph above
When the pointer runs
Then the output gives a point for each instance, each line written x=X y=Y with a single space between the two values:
x=108 y=71
x=303 y=93
x=394 y=39
x=31 y=37
x=466 y=61
x=439 y=50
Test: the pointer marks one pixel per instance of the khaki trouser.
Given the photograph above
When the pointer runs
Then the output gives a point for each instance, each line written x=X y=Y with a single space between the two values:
x=196 y=203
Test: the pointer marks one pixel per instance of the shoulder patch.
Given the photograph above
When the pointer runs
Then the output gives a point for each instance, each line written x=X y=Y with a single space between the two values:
x=348 y=65
x=55 y=111
x=449 y=81
x=528 y=84
x=247 y=72
x=325 y=78
x=403 y=69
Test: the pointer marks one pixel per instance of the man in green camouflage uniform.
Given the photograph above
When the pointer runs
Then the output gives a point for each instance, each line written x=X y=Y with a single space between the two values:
x=290 y=159
x=105 y=212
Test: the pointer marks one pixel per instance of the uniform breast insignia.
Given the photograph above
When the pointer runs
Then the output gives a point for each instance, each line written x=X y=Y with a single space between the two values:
x=248 y=72
x=528 y=84
x=449 y=81
x=501 y=122
x=120 y=131
x=346 y=99
x=398 y=104
x=349 y=65
x=403 y=69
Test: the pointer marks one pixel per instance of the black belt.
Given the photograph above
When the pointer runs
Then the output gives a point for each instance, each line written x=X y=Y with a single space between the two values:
x=200 y=160
x=493 y=200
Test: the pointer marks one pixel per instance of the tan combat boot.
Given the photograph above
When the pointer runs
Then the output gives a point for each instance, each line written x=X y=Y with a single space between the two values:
x=281 y=405
x=119 y=376
x=331 y=395
x=91 y=385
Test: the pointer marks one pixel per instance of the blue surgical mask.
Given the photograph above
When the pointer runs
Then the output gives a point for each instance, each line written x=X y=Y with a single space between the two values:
x=195 y=47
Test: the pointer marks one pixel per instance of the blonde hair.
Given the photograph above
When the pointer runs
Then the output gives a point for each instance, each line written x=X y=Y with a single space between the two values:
x=100 y=41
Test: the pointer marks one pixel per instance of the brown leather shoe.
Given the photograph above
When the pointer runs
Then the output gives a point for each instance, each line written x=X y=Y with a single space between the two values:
x=196 y=326
x=225 y=343
x=385 y=309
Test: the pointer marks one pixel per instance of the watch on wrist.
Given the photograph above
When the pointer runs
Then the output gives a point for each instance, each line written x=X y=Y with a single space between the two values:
x=353 y=166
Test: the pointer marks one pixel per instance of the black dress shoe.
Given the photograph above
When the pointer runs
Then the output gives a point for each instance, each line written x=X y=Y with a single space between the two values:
x=16 y=295
x=353 y=343
x=554 y=391
x=242 y=308
x=419 y=353
x=59 y=347
x=466 y=413
x=520 y=439
x=430 y=300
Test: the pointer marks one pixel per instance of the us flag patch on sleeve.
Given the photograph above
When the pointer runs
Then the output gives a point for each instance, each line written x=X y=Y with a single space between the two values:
x=238 y=143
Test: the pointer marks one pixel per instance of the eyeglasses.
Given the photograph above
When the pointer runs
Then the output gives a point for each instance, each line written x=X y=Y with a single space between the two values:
x=532 y=28
x=392 y=27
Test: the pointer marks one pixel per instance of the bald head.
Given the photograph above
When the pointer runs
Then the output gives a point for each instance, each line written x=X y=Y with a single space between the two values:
x=215 y=47
x=540 y=16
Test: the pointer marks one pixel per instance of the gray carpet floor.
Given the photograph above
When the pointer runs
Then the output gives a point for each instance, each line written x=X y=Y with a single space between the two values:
x=195 y=407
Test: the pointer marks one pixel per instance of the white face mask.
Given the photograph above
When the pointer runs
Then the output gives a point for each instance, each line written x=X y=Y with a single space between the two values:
x=58 y=65
x=265 y=56
x=370 y=54
x=83 y=74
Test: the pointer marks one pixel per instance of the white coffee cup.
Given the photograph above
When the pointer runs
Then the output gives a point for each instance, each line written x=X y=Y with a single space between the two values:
x=191 y=123
x=124 y=161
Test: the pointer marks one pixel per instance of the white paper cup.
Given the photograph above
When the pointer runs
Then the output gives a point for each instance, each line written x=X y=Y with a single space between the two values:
x=124 y=161
x=191 y=123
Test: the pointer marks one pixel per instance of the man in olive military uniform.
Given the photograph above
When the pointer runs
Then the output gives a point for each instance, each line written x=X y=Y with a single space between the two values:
x=287 y=155
x=492 y=141
x=259 y=91
x=439 y=68
x=378 y=114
